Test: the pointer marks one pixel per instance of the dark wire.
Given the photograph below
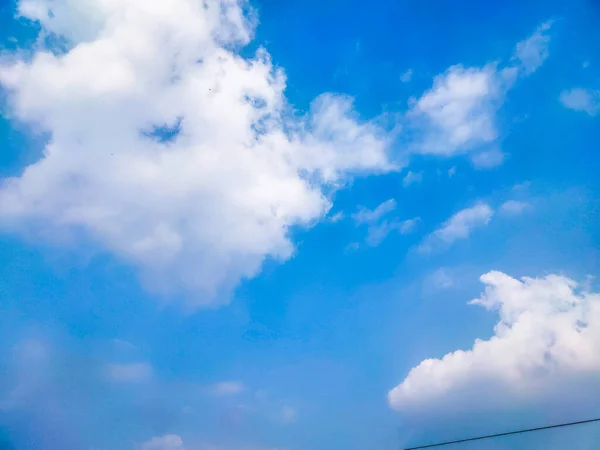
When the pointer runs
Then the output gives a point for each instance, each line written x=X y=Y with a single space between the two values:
x=439 y=444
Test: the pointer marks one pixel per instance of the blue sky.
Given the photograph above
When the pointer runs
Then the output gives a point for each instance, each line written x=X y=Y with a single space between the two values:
x=261 y=226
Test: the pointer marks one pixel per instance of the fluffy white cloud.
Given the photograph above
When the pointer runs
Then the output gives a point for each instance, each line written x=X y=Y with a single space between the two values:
x=578 y=99
x=166 y=442
x=167 y=148
x=129 y=372
x=183 y=159
x=548 y=336
x=459 y=226
x=458 y=114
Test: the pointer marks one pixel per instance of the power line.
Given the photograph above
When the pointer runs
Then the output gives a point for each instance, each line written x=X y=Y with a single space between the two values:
x=439 y=444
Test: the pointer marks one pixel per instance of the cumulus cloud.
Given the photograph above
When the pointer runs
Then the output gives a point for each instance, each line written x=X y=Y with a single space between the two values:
x=379 y=227
x=458 y=114
x=548 y=335
x=459 y=226
x=579 y=99
x=170 y=150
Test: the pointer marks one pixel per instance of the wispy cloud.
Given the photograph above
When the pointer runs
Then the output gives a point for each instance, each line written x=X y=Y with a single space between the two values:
x=513 y=207
x=288 y=414
x=440 y=279
x=166 y=442
x=533 y=51
x=459 y=226
x=377 y=233
x=227 y=388
x=365 y=215
x=412 y=178
x=406 y=76
x=488 y=159
x=378 y=227
x=129 y=372
x=335 y=218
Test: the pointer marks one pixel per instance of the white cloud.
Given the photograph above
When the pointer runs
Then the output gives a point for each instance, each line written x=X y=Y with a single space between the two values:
x=488 y=159
x=175 y=442
x=459 y=226
x=352 y=247
x=200 y=211
x=578 y=99
x=548 y=336
x=180 y=157
x=377 y=233
x=31 y=366
x=338 y=216
x=378 y=227
x=226 y=388
x=365 y=215
x=458 y=114
x=412 y=178
x=121 y=344
x=406 y=76
x=451 y=171
x=532 y=52
x=440 y=279
x=129 y=372
x=513 y=207
x=166 y=442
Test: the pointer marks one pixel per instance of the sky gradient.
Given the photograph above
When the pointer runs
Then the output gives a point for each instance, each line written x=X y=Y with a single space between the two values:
x=298 y=225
